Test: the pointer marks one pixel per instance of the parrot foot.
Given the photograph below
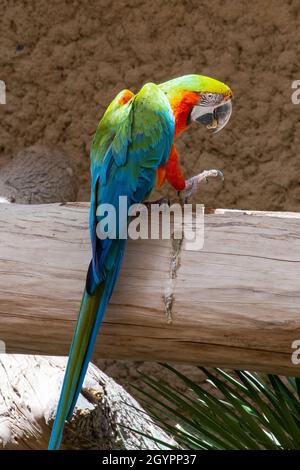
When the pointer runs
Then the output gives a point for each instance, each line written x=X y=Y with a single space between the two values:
x=192 y=184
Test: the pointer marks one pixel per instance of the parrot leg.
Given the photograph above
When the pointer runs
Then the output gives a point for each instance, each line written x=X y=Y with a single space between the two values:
x=192 y=184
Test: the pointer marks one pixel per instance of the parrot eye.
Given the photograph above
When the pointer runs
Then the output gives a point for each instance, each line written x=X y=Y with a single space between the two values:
x=209 y=99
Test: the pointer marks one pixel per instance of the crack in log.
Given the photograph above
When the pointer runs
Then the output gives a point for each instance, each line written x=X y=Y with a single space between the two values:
x=169 y=297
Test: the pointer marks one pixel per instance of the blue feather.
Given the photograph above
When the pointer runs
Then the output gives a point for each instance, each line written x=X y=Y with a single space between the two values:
x=131 y=142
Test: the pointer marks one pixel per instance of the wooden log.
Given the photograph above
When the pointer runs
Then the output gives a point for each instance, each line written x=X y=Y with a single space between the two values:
x=29 y=390
x=234 y=304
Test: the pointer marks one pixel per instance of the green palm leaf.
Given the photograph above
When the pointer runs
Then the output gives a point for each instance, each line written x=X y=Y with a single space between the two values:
x=249 y=411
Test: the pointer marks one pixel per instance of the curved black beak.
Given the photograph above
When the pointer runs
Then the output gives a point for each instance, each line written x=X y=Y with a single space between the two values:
x=217 y=118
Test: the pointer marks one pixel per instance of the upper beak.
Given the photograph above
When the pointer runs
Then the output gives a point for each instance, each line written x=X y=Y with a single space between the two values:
x=221 y=116
x=216 y=118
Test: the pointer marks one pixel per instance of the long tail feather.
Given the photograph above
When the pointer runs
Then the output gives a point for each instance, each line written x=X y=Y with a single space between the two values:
x=89 y=320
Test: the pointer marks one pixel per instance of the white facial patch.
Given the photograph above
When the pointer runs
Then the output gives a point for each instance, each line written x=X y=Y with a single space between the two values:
x=199 y=111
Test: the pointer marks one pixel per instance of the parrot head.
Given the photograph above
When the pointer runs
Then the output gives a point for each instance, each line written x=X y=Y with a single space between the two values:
x=200 y=99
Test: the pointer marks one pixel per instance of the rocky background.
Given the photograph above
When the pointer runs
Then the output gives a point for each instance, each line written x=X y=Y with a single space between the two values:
x=63 y=61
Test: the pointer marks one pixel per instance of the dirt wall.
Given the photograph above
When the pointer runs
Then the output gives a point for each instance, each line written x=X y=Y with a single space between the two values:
x=63 y=61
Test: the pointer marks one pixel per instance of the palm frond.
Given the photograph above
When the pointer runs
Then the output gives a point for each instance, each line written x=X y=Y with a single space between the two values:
x=242 y=410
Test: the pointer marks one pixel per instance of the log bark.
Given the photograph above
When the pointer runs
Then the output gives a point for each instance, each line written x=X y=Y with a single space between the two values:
x=29 y=389
x=233 y=304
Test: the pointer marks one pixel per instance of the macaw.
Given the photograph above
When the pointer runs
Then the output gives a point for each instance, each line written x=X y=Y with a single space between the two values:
x=132 y=151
